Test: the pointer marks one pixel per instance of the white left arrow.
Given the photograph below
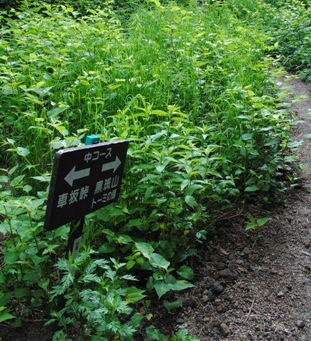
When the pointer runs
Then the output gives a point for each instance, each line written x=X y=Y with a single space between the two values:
x=75 y=175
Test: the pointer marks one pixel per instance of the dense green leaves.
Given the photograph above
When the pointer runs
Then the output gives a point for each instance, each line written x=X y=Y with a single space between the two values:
x=192 y=90
x=4 y=315
x=289 y=27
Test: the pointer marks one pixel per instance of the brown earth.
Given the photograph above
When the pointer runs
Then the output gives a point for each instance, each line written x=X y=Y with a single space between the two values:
x=250 y=286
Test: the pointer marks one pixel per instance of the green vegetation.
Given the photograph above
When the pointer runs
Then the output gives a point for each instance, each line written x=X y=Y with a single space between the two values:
x=192 y=89
x=289 y=27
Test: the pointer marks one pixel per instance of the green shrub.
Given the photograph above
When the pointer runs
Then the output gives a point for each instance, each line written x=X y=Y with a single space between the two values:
x=288 y=24
x=192 y=92
x=293 y=39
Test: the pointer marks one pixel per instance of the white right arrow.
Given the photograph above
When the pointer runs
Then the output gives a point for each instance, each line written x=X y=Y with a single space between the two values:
x=111 y=165
x=75 y=175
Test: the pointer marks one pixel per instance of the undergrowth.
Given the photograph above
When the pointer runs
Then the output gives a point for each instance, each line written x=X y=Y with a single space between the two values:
x=288 y=24
x=192 y=91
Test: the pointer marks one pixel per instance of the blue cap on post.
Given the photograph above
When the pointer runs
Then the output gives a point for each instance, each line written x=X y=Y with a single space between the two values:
x=91 y=139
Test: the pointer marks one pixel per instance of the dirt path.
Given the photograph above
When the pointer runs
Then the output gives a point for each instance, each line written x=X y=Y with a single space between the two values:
x=257 y=286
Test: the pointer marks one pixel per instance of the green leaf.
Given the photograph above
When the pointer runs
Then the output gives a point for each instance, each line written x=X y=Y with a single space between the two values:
x=10 y=257
x=43 y=283
x=184 y=184
x=159 y=261
x=148 y=192
x=185 y=272
x=172 y=305
x=135 y=223
x=124 y=239
x=189 y=199
x=253 y=188
x=159 y=113
x=57 y=144
x=32 y=276
x=136 y=320
x=145 y=249
x=4 y=178
x=263 y=221
x=4 y=316
x=272 y=142
x=155 y=335
x=22 y=151
x=16 y=181
x=62 y=130
x=247 y=137
x=160 y=168
x=182 y=335
x=107 y=248
x=27 y=188
x=253 y=151
x=42 y=178
x=20 y=292
x=130 y=264
x=134 y=295
x=162 y=288
x=56 y=111
x=250 y=226
x=11 y=141
x=181 y=285
x=5 y=299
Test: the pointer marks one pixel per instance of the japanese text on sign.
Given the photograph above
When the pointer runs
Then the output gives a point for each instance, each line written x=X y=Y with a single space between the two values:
x=84 y=179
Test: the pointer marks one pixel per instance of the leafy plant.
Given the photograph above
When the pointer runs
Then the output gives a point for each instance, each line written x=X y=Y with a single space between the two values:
x=193 y=92
x=26 y=255
x=5 y=315
x=98 y=298
x=288 y=24
x=255 y=223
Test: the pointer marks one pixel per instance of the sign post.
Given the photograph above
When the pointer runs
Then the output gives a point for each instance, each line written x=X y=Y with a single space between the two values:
x=84 y=179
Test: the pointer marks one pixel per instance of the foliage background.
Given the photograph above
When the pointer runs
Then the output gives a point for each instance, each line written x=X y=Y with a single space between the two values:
x=192 y=88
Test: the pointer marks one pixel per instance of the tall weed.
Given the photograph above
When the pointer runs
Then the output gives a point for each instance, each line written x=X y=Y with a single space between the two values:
x=288 y=25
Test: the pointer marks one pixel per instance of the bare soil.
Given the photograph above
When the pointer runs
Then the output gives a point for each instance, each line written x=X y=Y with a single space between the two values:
x=249 y=286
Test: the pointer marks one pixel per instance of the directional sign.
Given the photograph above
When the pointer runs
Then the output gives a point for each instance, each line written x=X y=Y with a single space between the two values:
x=84 y=179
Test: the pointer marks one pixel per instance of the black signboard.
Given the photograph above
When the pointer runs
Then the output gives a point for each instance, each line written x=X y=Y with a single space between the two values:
x=84 y=179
